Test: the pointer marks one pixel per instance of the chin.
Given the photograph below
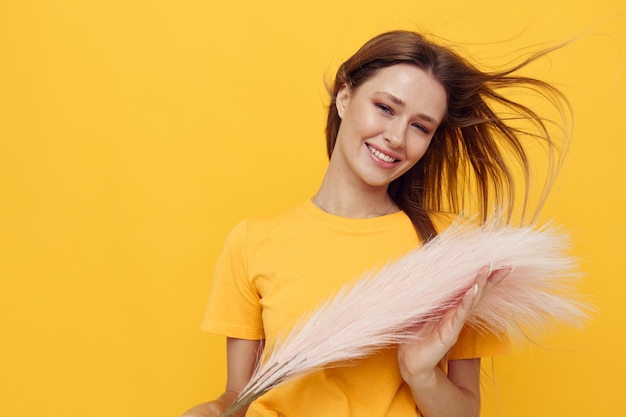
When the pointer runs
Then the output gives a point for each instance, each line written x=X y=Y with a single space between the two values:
x=374 y=183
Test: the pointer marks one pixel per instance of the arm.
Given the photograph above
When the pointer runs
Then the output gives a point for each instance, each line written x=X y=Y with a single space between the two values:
x=458 y=393
x=242 y=356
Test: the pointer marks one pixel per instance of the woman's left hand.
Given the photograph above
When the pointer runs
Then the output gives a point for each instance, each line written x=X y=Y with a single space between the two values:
x=421 y=357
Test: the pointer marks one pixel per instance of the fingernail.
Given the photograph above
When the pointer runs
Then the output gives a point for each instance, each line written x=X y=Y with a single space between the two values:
x=475 y=288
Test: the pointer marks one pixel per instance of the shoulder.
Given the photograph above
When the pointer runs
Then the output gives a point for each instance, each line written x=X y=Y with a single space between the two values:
x=278 y=219
x=255 y=230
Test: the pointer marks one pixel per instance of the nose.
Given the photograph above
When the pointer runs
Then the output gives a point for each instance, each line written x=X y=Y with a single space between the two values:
x=394 y=134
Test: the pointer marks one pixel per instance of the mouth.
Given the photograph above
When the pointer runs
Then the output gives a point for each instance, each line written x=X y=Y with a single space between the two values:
x=380 y=155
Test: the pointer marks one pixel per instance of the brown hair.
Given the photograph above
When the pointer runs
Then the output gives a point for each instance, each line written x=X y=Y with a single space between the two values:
x=467 y=150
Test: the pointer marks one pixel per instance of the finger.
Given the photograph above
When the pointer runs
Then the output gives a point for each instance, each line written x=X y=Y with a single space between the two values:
x=487 y=275
x=456 y=317
x=483 y=275
x=485 y=284
x=495 y=278
x=464 y=310
x=486 y=279
x=499 y=274
x=481 y=280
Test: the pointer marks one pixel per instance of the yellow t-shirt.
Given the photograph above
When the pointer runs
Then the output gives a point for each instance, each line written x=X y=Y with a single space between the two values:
x=275 y=269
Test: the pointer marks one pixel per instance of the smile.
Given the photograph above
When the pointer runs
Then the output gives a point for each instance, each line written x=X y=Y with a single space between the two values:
x=380 y=155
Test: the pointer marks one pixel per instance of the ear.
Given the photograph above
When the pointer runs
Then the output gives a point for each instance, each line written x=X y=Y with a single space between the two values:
x=342 y=100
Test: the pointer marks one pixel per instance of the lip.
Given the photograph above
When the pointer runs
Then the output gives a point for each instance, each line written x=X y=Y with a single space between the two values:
x=379 y=161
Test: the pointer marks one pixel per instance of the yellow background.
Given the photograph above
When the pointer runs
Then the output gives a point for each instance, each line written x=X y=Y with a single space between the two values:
x=134 y=134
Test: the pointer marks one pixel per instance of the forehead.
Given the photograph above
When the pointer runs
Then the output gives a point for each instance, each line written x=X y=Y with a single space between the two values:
x=413 y=86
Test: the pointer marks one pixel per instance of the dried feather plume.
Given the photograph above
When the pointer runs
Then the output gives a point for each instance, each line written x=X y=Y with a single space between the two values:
x=379 y=308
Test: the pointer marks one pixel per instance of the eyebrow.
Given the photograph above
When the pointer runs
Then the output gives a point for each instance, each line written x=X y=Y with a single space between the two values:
x=399 y=102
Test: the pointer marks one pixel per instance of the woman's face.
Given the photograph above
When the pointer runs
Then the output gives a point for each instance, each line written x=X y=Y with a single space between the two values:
x=387 y=124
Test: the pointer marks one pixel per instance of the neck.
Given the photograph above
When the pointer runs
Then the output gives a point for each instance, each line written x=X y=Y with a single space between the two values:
x=351 y=202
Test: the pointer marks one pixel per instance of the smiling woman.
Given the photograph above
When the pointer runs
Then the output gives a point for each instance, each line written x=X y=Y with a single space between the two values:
x=469 y=144
x=412 y=128
x=386 y=126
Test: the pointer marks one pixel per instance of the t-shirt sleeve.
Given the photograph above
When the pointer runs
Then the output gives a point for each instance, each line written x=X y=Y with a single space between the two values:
x=478 y=344
x=234 y=308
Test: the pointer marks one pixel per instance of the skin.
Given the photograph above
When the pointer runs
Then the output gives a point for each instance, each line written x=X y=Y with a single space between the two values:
x=458 y=393
x=395 y=112
x=241 y=359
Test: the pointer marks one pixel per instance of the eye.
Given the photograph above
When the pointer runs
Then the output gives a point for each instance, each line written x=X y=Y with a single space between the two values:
x=421 y=127
x=384 y=108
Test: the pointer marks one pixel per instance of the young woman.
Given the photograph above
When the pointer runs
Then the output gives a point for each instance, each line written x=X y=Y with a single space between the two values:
x=411 y=128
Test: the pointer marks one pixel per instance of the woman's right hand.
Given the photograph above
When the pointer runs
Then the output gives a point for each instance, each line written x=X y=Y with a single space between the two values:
x=242 y=356
x=214 y=408
x=210 y=409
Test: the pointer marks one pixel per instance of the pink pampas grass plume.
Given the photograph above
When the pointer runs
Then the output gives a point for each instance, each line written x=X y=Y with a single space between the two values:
x=380 y=308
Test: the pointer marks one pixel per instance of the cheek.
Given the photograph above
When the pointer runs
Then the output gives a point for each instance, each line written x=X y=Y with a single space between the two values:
x=364 y=123
x=417 y=149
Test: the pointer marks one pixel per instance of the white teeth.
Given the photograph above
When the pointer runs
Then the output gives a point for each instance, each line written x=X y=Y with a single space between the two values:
x=380 y=155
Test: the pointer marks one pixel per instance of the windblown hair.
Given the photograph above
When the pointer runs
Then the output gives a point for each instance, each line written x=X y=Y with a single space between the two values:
x=479 y=143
